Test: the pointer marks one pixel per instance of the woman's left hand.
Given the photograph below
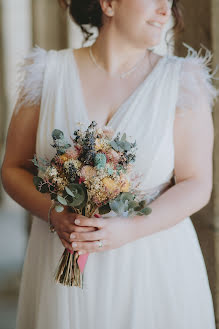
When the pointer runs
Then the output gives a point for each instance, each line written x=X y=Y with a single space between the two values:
x=113 y=232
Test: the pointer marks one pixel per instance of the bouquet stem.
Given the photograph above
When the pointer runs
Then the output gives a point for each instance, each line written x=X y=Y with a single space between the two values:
x=68 y=271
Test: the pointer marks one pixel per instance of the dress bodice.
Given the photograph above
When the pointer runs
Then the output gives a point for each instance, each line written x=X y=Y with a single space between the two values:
x=147 y=116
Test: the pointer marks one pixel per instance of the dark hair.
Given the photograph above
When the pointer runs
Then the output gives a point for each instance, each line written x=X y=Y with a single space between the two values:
x=84 y=12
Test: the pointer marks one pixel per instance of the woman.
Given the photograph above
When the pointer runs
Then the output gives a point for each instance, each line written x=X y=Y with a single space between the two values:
x=147 y=272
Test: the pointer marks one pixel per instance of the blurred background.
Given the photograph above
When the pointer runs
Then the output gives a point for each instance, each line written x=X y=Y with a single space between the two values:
x=27 y=23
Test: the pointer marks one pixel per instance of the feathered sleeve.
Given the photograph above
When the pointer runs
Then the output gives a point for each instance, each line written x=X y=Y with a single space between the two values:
x=196 y=89
x=30 y=74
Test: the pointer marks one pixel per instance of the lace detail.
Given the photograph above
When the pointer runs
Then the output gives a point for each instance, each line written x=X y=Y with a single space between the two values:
x=30 y=75
x=196 y=91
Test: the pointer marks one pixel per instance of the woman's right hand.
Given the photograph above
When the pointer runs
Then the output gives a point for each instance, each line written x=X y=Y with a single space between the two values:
x=63 y=223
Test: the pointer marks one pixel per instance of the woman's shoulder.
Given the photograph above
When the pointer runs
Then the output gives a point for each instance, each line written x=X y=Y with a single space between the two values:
x=196 y=75
x=39 y=54
x=195 y=60
x=30 y=72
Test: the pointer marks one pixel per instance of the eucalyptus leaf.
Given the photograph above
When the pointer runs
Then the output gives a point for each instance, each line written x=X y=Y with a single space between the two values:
x=57 y=134
x=127 y=146
x=69 y=191
x=114 y=145
x=123 y=137
x=82 y=205
x=127 y=196
x=79 y=194
x=53 y=196
x=119 y=206
x=44 y=161
x=37 y=180
x=142 y=203
x=61 y=150
x=62 y=200
x=133 y=204
x=41 y=186
x=145 y=211
x=59 y=208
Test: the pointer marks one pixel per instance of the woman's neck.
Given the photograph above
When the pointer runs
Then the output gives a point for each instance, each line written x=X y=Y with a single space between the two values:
x=115 y=56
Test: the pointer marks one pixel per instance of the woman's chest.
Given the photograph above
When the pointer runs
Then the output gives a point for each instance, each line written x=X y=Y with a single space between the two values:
x=102 y=96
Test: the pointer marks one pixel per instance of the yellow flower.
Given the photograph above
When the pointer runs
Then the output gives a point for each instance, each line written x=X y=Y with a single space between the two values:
x=98 y=144
x=88 y=171
x=63 y=157
x=110 y=184
x=125 y=186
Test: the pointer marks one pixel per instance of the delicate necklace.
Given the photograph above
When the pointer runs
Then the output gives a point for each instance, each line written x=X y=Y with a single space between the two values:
x=122 y=75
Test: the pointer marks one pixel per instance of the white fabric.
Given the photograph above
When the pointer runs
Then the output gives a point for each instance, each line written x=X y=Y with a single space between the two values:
x=30 y=75
x=157 y=282
x=196 y=91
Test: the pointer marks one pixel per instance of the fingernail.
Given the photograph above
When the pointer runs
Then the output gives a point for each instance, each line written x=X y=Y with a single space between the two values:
x=72 y=236
x=74 y=244
x=77 y=221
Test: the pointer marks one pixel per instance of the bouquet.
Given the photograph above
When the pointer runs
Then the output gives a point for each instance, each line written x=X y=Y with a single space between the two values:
x=91 y=176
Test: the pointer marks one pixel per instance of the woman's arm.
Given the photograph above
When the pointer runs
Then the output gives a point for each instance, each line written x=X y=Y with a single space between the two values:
x=193 y=143
x=17 y=172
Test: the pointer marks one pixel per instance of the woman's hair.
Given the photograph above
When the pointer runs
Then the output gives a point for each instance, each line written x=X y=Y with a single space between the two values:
x=89 y=12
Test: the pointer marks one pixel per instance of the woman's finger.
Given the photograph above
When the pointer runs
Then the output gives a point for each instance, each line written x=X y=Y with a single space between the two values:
x=75 y=228
x=87 y=236
x=95 y=222
x=66 y=237
x=89 y=246
x=66 y=244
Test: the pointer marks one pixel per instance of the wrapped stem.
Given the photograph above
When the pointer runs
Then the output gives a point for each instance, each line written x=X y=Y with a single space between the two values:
x=68 y=272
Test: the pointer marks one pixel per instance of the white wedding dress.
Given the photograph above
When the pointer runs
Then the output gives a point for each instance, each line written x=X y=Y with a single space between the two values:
x=156 y=282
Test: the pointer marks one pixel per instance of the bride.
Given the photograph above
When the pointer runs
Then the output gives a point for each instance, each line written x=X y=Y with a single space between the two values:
x=143 y=272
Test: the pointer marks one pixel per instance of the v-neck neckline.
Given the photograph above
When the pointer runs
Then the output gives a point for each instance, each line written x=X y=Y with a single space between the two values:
x=126 y=101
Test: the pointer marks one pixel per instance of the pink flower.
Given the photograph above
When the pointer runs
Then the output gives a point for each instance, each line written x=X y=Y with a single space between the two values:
x=88 y=172
x=113 y=156
x=73 y=153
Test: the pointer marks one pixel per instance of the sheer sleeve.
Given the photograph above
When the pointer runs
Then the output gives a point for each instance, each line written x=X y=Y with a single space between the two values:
x=196 y=90
x=30 y=74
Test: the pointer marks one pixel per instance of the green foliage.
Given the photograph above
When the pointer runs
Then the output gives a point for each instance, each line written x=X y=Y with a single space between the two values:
x=144 y=211
x=100 y=160
x=122 y=144
x=59 y=208
x=59 y=142
x=42 y=164
x=41 y=186
x=125 y=204
x=119 y=206
x=57 y=134
x=62 y=200
x=69 y=191
x=105 y=209
x=79 y=194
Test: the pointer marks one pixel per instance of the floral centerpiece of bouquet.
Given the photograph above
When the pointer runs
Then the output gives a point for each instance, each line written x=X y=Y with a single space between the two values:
x=91 y=177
